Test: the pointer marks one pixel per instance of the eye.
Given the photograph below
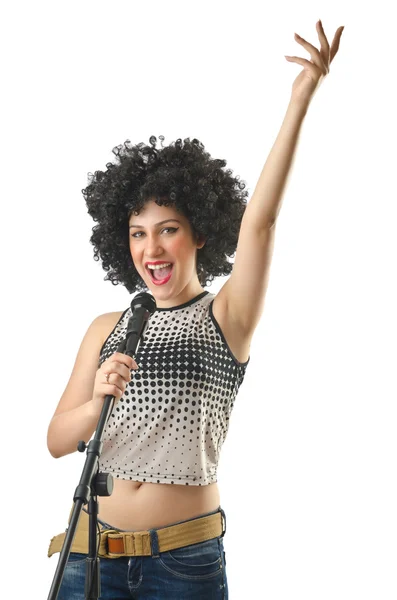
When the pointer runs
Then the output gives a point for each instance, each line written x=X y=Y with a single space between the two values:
x=172 y=229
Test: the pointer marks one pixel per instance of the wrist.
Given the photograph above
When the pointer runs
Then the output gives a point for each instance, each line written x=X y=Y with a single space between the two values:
x=94 y=408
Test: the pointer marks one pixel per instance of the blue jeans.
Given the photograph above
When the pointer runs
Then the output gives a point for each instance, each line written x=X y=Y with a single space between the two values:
x=193 y=572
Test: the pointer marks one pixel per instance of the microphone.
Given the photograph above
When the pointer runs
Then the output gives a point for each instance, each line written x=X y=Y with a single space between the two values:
x=142 y=308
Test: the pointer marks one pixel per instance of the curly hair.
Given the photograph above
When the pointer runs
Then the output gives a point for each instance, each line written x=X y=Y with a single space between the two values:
x=182 y=175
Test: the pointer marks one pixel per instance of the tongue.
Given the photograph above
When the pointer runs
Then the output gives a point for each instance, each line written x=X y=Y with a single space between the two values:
x=161 y=273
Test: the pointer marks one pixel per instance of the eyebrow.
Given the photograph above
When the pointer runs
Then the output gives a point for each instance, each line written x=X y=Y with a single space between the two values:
x=157 y=224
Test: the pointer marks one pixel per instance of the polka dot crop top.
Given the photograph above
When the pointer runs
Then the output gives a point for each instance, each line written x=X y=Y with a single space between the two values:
x=171 y=422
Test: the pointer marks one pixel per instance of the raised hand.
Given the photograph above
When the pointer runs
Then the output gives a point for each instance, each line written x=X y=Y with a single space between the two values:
x=314 y=70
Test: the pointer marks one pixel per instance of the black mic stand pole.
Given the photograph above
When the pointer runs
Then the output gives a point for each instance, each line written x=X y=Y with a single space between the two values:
x=102 y=484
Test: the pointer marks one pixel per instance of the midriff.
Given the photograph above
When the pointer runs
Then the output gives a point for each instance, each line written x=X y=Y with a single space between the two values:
x=135 y=506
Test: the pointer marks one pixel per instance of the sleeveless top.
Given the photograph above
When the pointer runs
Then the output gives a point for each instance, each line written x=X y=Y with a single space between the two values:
x=171 y=422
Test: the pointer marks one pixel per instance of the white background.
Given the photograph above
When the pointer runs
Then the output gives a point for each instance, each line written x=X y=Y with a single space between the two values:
x=308 y=471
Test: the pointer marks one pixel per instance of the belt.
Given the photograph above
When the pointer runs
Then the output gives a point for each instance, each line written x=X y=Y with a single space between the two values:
x=115 y=544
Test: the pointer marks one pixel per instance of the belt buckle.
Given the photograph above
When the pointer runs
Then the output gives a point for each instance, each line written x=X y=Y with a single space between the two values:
x=103 y=550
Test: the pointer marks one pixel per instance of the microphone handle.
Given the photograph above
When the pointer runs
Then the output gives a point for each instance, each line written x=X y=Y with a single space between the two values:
x=136 y=328
x=108 y=402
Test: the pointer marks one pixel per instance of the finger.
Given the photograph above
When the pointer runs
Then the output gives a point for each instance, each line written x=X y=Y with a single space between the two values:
x=126 y=373
x=116 y=382
x=119 y=380
x=325 y=51
x=124 y=359
x=301 y=61
x=112 y=367
x=313 y=51
x=115 y=363
x=116 y=392
x=335 y=43
x=110 y=378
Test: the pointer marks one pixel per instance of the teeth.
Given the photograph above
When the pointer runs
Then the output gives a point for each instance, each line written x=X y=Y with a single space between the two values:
x=158 y=266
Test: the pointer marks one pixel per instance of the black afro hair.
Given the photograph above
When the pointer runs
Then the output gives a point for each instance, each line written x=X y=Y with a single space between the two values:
x=182 y=175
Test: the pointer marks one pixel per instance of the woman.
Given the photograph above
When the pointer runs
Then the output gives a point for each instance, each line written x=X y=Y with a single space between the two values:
x=167 y=221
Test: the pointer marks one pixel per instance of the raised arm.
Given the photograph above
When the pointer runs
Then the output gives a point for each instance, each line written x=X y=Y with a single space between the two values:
x=242 y=296
x=265 y=203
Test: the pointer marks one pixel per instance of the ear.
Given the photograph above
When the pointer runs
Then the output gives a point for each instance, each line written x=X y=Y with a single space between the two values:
x=200 y=242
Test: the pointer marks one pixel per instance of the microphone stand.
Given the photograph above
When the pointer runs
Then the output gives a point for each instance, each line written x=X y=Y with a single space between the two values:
x=101 y=484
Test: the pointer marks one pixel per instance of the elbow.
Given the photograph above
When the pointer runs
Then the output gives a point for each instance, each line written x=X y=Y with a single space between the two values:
x=52 y=446
x=54 y=453
x=52 y=449
x=271 y=222
x=55 y=447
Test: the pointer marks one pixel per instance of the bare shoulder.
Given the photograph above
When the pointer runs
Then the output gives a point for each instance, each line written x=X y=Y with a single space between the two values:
x=106 y=323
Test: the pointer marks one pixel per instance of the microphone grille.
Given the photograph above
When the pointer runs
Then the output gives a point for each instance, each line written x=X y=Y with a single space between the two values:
x=144 y=299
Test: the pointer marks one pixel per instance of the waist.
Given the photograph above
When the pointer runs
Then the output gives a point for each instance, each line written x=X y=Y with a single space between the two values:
x=114 y=543
x=135 y=506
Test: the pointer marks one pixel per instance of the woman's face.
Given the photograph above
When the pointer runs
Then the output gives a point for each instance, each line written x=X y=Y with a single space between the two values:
x=151 y=240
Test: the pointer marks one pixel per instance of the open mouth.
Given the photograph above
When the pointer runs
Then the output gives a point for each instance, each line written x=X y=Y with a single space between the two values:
x=160 y=276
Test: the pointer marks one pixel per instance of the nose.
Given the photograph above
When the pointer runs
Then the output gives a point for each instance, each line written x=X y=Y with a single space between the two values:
x=153 y=247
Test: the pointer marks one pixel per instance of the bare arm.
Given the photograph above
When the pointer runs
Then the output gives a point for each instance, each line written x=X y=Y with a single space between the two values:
x=68 y=428
x=264 y=206
x=78 y=410
x=243 y=294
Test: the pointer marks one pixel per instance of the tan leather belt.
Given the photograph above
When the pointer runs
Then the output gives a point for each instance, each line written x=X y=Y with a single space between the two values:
x=115 y=544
